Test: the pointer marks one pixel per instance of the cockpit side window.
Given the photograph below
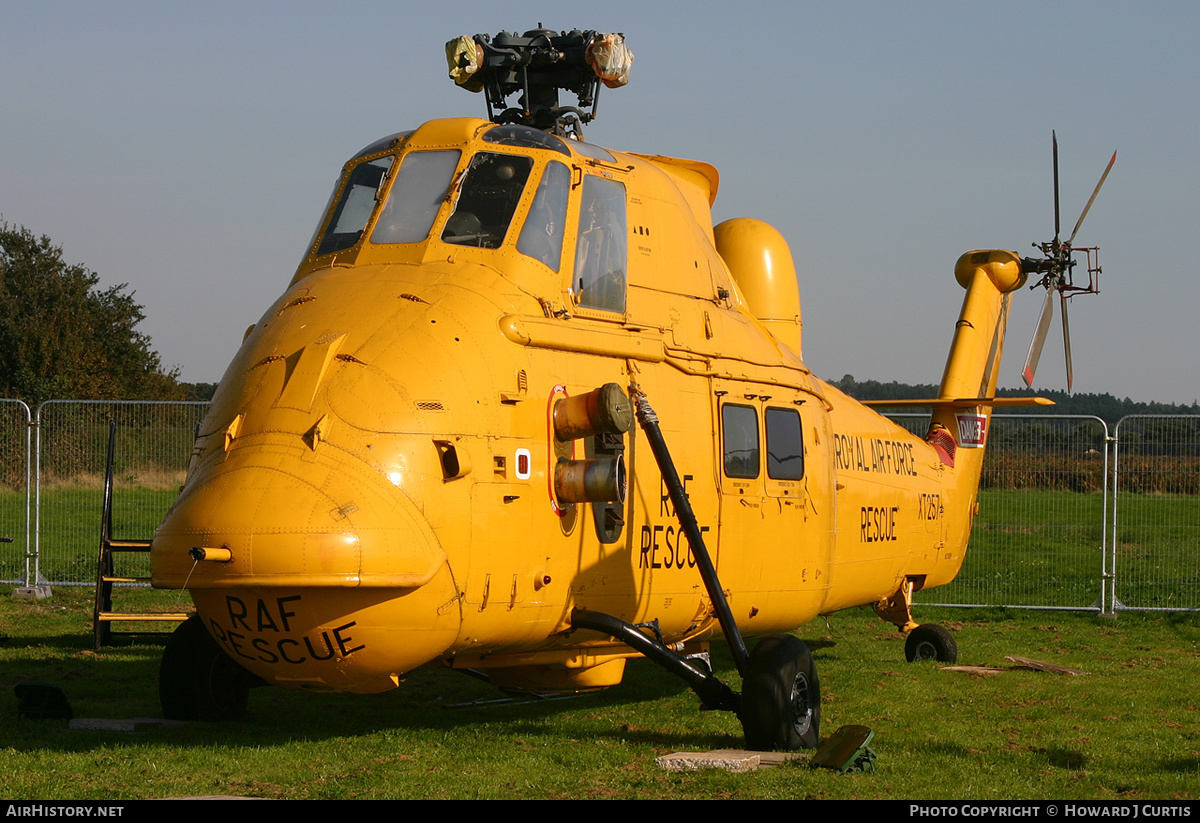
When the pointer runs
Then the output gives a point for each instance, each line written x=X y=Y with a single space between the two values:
x=542 y=235
x=601 y=245
x=419 y=191
x=487 y=199
x=355 y=205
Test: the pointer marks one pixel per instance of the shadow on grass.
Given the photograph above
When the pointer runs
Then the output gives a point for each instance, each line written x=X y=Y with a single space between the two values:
x=122 y=682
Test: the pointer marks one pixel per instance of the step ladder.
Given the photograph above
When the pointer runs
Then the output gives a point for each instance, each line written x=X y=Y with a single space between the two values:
x=103 y=615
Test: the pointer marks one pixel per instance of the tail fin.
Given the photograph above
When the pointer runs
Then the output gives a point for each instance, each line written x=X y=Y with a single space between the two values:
x=968 y=388
x=990 y=278
x=958 y=429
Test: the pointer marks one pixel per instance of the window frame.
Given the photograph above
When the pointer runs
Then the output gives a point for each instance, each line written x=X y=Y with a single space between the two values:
x=609 y=236
x=726 y=410
x=778 y=412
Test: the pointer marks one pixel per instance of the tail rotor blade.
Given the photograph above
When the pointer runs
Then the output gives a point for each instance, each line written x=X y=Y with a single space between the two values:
x=1039 y=338
x=1054 y=138
x=1066 y=341
x=1091 y=200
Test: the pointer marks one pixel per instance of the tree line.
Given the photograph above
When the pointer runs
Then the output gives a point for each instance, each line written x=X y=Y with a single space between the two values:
x=63 y=336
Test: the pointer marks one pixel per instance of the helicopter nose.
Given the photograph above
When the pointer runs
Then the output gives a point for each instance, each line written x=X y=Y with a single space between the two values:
x=322 y=573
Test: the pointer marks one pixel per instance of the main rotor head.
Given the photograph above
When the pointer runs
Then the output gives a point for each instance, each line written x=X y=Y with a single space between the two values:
x=536 y=65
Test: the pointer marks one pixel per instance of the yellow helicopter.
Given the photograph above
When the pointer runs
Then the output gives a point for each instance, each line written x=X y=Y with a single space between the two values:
x=524 y=409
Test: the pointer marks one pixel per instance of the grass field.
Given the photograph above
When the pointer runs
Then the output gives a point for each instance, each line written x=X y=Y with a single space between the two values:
x=1127 y=729
x=70 y=526
x=1031 y=549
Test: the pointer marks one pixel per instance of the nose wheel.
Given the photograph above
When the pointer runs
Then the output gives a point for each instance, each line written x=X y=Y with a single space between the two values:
x=781 y=696
x=197 y=680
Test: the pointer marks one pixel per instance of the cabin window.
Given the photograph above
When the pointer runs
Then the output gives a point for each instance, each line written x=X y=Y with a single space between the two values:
x=487 y=200
x=739 y=432
x=601 y=245
x=355 y=206
x=542 y=236
x=419 y=191
x=785 y=445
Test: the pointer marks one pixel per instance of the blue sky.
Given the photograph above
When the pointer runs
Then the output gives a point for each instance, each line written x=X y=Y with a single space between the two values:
x=187 y=149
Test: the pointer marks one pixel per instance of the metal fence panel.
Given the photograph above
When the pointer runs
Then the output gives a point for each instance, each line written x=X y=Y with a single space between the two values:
x=1039 y=538
x=154 y=441
x=1047 y=534
x=15 y=492
x=1156 y=512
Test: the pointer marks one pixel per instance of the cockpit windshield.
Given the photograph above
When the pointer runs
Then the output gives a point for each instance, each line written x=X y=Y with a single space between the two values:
x=418 y=193
x=487 y=199
x=355 y=206
x=542 y=236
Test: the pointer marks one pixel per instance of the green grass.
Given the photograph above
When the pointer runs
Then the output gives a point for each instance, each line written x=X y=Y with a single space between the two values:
x=1043 y=548
x=1031 y=549
x=1128 y=729
x=70 y=526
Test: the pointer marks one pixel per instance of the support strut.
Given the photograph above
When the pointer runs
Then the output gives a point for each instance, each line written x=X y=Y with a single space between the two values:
x=687 y=521
x=714 y=693
x=780 y=703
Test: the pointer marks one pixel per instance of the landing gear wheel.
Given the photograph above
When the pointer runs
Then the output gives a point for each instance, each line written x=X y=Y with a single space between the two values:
x=781 y=696
x=930 y=642
x=197 y=680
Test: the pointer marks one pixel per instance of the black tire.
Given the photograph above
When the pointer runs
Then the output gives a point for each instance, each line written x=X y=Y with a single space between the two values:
x=197 y=680
x=930 y=642
x=781 y=696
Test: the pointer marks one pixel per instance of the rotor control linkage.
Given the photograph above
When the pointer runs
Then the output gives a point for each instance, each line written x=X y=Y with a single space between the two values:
x=535 y=66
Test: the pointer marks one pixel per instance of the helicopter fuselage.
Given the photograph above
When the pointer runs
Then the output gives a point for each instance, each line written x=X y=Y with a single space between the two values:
x=380 y=483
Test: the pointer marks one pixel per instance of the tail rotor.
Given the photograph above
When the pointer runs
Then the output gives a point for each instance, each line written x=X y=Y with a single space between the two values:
x=1056 y=267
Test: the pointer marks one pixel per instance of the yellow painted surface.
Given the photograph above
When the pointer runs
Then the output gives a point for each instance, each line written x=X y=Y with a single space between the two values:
x=379 y=457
